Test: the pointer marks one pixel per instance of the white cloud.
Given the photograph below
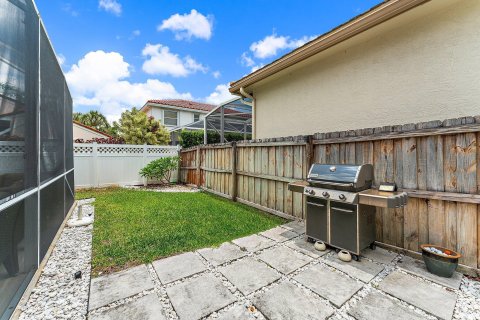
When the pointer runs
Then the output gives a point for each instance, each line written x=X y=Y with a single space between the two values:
x=247 y=60
x=68 y=8
x=135 y=33
x=186 y=26
x=256 y=67
x=272 y=44
x=216 y=74
x=161 y=61
x=61 y=59
x=221 y=94
x=111 y=6
x=100 y=80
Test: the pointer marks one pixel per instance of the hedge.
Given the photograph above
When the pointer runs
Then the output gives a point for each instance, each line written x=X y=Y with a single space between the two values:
x=193 y=138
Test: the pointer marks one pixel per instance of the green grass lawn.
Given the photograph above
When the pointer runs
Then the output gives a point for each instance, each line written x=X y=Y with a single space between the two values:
x=133 y=227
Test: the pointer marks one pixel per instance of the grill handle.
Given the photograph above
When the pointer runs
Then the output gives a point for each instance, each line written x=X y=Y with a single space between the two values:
x=342 y=210
x=337 y=184
x=316 y=204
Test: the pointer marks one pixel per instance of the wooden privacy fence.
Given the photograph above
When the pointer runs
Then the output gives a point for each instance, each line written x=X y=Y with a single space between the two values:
x=436 y=162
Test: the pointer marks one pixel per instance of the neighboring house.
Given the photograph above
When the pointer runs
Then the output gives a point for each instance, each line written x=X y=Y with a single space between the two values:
x=81 y=131
x=403 y=61
x=173 y=113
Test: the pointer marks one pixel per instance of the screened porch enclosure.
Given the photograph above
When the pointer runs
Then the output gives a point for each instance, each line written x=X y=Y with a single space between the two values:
x=36 y=148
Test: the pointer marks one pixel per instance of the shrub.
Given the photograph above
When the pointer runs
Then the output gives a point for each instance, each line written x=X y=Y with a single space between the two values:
x=193 y=138
x=160 y=169
x=112 y=140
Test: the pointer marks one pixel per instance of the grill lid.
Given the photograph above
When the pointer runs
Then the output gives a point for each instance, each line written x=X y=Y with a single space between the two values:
x=341 y=176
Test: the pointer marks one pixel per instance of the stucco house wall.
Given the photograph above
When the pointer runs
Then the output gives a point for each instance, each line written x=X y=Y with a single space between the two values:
x=419 y=66
x=80 y=132
x=184 y=117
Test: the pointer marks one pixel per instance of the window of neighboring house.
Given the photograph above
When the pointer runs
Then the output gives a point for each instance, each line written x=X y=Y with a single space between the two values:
x=170 y=118
x=196 y=117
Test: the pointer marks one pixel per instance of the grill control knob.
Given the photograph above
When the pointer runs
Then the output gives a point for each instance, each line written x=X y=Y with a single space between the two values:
x=342 y=197
x=310 y=191
x=325 y=194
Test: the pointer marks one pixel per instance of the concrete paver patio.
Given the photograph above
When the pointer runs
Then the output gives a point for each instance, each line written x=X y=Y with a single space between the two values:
x=273 y=275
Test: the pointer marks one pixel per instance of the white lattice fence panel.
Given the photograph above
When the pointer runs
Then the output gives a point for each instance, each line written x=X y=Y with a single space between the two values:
x=12 y=156
x=82 y=149
x=98 y=165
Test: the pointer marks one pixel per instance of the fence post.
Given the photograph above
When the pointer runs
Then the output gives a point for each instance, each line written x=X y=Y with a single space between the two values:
x=96 y=182
x=309 y=153
x=234 y=171
x=197 y=161
x=145 y=152
x=179 y=170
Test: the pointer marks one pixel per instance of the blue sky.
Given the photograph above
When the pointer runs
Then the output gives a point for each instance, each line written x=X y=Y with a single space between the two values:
x=116 y=54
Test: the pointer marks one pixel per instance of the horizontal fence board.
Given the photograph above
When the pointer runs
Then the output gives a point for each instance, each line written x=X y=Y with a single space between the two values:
x=470 y=128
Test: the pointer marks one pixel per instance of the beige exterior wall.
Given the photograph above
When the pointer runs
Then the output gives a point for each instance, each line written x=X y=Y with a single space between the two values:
x=422 y=65
x=80 y=132
x=184 y=116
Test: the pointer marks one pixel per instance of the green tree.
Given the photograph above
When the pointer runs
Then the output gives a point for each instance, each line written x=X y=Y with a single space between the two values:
x=93 y=119
x=77 y=116
x=137 y=128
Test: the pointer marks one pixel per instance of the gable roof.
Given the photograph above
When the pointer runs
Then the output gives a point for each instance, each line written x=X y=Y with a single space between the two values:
x=91 y=129
x=186 y=104
x=364 y=21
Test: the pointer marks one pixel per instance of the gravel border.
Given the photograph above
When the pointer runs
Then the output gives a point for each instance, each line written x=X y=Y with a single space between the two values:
x=57 y=294
x=164 y=188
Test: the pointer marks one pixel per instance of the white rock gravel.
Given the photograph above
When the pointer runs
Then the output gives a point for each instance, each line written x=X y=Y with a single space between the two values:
x=58 y=295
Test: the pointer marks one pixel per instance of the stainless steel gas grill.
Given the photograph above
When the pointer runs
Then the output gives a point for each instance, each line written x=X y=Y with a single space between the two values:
x=341 y=205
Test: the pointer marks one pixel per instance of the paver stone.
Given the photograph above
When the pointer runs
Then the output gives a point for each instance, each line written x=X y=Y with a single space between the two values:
x=377 y=306
x=295 y=226
x=423 y=295
x=177 y=267
x=253 y=243
x=302 y=245
x=225 y=253
x=279 y=234
x=288 y=301
x=363 y=270
x=284 y=259
x=107 y=289
x=146 y=308
x=249 y=275
x=418 y=268
x=198 y=297
x=239 y=312
x=331 y=285
x=379 y=255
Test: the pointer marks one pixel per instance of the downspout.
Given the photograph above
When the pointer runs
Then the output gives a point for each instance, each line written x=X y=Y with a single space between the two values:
x=252 y=104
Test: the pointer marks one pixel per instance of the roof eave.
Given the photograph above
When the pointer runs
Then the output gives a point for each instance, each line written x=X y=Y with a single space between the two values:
x=159 y=105
x=357 y=25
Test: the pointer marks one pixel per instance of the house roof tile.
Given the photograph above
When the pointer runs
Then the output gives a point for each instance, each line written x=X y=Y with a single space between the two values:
x=187 y=104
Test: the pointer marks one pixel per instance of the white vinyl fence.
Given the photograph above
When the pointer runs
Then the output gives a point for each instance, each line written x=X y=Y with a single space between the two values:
x=102 y=165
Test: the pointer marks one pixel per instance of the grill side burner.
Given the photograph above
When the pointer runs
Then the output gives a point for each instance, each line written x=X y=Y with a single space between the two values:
x=340 y=206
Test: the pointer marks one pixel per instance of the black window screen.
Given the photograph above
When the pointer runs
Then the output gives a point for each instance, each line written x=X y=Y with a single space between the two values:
x=18 y=99
x=52 y=105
